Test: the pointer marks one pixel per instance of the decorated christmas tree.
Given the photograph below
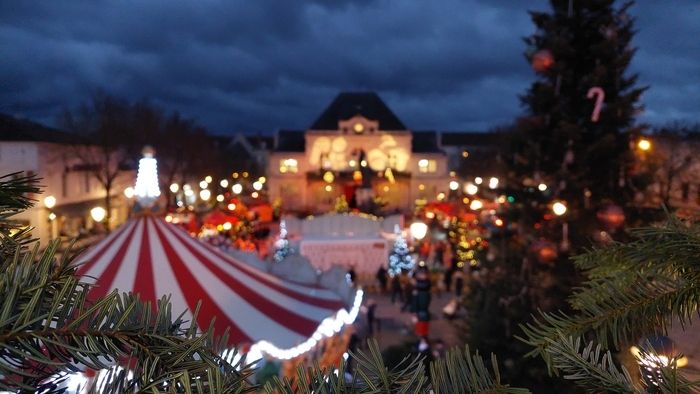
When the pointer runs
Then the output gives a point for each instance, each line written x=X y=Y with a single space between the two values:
x=282 y=248
x=571 y=147
x=400 y=257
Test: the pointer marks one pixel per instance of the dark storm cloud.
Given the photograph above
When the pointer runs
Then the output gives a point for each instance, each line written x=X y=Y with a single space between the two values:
x=263 y=65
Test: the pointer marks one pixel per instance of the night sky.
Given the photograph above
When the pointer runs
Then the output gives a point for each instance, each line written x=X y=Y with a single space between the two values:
x=262 y=65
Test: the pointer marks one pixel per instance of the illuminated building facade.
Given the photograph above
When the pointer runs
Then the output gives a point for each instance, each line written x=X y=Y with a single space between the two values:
x=360 y=150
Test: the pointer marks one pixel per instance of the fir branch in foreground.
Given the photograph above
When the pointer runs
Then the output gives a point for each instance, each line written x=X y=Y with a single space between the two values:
x=48 y=328
x=466 y=373
x=14 y=189
x=639 y=293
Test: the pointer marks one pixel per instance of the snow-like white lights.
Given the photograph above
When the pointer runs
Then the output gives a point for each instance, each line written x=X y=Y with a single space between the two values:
x=98 y=214
x=541 y=187
x=255 y=194
x=203 y=184
x=423 y=163
x=559 y=208
x=231 y=207
x=352 y=163
x=418 y=230
x=478 y=180
x=441 y=196
x=476 y=205
x=169 y=218
x=227 y=226
x=205 y=194
x=237 y=188
x=147 y=190
x=189 y=192
x=224 y=183
x=328 y=327
x=493 y=183
x=52 y=216
x=328 y=188
x=129 y=192
x=363 y=163
x=220 y=197
x=454 y=185
x=262 y=179
x=49 y=202
x=471 y=188
x=174 y=187
x=257 y=185
x=208 y=179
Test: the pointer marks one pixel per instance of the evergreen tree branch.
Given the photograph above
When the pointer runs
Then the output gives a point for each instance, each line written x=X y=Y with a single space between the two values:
x=588 y=366
x=466 y=373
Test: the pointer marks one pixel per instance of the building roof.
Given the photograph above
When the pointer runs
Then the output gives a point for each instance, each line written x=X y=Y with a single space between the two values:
x=349 y=104
x=425 y=142
x=13 y=129
x=470 y=138
x=290 y=141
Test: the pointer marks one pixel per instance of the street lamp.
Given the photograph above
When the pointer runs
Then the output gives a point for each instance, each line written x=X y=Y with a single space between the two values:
x=49 y=203
x=559 y=209
x=418 y=230
x=98 y=214
x=644 y=144
x=129 y=192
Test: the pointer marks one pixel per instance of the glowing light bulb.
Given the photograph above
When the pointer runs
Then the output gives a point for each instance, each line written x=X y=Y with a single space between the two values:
x=174 y=188
x=237 y=188
x=129 y=192
x=205 y=195
x=476 y=205
x=454 y=185
x=223 y=183
x=559 y=208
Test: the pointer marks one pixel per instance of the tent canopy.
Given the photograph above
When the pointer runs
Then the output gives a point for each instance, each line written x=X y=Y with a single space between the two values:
x=150 y=257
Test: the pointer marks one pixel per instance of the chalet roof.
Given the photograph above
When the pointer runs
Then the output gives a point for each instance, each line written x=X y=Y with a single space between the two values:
x=349 y=104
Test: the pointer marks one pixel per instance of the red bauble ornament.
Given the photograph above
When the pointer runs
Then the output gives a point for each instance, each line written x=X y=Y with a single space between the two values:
x=545 y=251
x=542 y=60
x=611 y=216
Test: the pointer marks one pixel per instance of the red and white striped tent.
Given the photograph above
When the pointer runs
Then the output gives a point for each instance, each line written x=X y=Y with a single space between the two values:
x=150 y=257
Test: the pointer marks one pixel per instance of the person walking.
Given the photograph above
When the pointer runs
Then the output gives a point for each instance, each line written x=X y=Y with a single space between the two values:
x=382 y=279
x=396 y=291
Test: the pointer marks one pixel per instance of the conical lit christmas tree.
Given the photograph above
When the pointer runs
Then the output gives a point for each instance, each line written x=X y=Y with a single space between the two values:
x=147 y=190
x=400 y=257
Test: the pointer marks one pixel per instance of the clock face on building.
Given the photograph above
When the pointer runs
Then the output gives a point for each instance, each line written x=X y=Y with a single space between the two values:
x=359 y=128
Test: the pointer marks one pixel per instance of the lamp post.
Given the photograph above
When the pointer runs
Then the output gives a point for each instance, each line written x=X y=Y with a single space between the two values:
x=559 y=208
x=49 y=203
x=98 y=214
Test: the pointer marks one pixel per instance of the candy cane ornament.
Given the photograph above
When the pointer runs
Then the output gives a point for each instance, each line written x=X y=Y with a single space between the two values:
x=600 y=93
